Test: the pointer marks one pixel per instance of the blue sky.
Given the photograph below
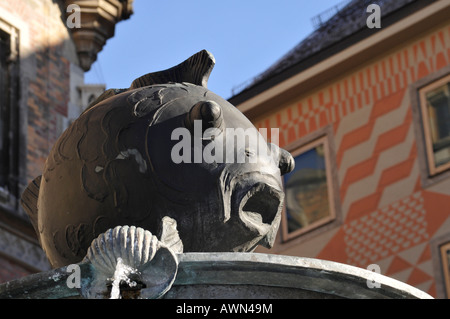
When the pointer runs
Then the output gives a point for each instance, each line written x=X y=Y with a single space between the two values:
x=245 y=37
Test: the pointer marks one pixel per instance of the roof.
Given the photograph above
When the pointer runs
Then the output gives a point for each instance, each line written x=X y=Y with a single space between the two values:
x=332 y=36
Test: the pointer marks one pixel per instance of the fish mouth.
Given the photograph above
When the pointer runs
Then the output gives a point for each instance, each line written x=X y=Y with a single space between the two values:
x=260 y=206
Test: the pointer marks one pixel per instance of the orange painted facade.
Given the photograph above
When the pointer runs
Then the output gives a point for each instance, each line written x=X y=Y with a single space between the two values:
x=388 y=217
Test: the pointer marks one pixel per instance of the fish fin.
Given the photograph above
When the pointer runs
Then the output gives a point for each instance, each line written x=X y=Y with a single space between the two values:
x=195 y=70
x=29 y=202
x=169 y=235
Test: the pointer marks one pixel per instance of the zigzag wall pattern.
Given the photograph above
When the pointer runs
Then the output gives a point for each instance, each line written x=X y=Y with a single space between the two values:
x=379 y=178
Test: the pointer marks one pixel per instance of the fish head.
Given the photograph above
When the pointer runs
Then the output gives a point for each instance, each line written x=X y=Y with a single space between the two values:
x=221 y=176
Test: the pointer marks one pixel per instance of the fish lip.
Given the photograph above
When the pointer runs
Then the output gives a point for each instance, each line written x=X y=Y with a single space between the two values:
x=259 y=207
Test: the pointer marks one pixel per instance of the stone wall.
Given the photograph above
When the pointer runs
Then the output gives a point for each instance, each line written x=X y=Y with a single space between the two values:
x=46 y=54
x=49 y=84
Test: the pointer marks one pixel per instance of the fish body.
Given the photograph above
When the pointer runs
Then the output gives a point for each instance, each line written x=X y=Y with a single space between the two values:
x=139 y=155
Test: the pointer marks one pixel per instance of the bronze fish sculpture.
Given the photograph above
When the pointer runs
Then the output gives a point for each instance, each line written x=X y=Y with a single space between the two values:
x=160 y=149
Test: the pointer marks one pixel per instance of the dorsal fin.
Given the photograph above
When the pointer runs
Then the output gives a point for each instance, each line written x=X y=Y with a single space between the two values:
x=169 y=235
x=29 y=201
x=195 y=70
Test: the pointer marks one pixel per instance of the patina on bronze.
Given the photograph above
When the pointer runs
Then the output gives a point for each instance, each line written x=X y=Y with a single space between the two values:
x=114 y=166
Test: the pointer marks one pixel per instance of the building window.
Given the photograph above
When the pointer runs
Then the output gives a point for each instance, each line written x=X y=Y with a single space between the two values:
x=9 y=114
x=445 y=257
x=309 y=189
x=435 y=111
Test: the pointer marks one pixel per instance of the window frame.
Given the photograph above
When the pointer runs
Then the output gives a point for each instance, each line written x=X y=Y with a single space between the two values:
x=10 y=193
x=432 y=168
x=427 y=178
x=440 y=265
x=322 y=136
x=445 y=266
